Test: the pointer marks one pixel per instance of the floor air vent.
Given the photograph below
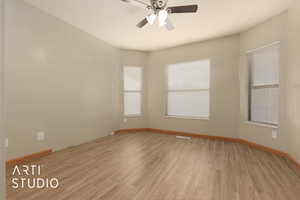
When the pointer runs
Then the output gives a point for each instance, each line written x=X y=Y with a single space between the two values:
x=183 y=137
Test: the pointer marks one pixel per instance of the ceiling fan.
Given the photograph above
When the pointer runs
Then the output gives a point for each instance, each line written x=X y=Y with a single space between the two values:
x=160 y=10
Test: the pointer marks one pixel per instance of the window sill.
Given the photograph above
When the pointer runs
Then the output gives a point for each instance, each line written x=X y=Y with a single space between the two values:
x=262 y=125
x=187 y=118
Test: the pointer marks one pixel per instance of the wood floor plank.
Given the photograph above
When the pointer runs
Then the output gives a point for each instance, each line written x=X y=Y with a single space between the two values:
x=161 y=167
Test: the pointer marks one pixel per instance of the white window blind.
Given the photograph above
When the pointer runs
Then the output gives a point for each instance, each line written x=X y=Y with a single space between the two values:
x=264 y=85
x=132 y=77
x=188 y=89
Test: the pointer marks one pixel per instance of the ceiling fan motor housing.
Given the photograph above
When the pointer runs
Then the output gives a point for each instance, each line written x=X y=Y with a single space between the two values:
x=159 y=4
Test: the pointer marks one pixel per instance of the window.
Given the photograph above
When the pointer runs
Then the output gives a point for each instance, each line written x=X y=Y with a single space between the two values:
x=188 y=89
x=132 y=77
x=264 y=85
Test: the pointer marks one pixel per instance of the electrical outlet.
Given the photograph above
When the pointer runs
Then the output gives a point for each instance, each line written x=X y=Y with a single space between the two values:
x=125 y=120
x=40 y=136
x=6 y=142
x=274 y=133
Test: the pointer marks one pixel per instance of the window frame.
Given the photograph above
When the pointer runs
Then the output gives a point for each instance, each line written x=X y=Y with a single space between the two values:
x=250 y=86
x=166 y=115
x=141 y=92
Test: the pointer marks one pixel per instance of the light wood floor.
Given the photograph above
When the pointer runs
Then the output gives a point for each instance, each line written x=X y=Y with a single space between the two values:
x=148 y=166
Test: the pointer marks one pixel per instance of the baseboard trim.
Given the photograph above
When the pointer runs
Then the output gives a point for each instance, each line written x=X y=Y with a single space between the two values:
x=27 y=158
x=170 y=132
x=132 y=130
x=236 y=140
x=292 y=160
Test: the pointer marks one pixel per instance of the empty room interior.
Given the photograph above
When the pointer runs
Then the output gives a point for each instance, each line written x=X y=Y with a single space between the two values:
x=150 y=99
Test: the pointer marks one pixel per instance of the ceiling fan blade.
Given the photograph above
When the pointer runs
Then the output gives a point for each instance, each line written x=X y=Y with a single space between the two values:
x=169 y=25
x=138 y=3
x=142 y=23
x=183 y=9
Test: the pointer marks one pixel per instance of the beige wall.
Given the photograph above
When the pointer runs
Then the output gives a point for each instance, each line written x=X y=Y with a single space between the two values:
x=2 y=148
x=58 y=79
x=266 y=33
x=224 y=89
x=132 y=58
x=293 y=81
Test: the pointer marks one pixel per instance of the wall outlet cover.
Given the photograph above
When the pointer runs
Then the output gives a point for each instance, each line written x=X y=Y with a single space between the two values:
x=125 y=120
x=6 y=142
x=40 y=136
x=274 y=133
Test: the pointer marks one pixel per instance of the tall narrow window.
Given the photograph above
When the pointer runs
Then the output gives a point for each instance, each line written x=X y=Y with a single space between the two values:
x=264 y=85
x=132 y=77
x=188 y=89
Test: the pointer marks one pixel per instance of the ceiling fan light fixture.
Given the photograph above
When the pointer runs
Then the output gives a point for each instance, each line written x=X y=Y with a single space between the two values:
x=162 y=17
x=151 y=18
x=160 y=9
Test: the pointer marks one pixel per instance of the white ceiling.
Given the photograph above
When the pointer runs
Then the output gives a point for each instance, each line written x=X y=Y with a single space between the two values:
x=115 y=22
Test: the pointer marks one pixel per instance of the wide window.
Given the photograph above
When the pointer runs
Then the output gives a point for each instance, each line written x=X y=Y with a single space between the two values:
x=188 y=89
x=132 y=77
x=264 y=85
